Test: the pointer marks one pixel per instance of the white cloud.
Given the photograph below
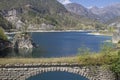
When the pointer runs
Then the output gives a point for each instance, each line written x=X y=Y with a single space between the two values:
x=65 y=1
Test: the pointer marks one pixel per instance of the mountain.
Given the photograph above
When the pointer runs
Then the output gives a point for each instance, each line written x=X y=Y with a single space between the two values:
x=107 y=13
x=95 y=10
x=43 y=6
x=100 y=14
x=113 y=9
x=48 y=12
x=64 y=1
x=42 y=14
x=114 y=22
x=79 y=10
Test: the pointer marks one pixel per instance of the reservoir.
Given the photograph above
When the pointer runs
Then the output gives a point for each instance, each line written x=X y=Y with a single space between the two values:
x=57 y=76
x=59 y=44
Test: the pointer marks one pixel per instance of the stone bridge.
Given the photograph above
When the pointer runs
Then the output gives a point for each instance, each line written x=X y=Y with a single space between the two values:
x=24 y=71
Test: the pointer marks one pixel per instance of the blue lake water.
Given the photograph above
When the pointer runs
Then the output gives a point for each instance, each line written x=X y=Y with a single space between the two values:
x=59 y=44
x=57 y=76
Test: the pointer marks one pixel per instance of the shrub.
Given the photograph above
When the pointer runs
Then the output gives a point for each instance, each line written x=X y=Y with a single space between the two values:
x=115 y=66
x=2 y=34
x=106 y=49
x=84 y=51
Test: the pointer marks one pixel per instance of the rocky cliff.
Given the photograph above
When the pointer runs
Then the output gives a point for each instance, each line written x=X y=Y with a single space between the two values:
x=116 y=36
x=23 y=41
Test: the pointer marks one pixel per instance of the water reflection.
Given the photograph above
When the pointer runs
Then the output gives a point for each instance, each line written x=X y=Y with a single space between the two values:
x=57 y=76
x=24 y=52
x=5 y=52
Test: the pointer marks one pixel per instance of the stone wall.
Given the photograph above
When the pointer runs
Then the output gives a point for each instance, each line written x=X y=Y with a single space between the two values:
x=24 y=71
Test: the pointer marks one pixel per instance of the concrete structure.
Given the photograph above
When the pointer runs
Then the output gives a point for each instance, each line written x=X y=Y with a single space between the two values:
x=24 y=71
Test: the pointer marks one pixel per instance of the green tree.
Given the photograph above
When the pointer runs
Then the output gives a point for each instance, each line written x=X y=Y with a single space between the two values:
x=2 y=34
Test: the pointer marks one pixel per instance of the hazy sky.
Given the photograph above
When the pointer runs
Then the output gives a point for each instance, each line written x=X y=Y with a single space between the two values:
x=89 y=3
x=98 y=3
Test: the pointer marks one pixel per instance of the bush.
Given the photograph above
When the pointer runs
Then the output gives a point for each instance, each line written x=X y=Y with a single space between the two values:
x=84 y=51
x=2 y=34
x=106 y=49
x=115 y=66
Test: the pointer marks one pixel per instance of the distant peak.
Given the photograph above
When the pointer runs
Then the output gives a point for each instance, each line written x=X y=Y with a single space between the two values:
x=115 y=5
x=75 y=4
x=64 y=2
x=93 y=7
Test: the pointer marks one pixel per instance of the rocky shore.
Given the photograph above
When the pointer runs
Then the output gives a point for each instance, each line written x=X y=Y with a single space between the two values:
x=22 y=41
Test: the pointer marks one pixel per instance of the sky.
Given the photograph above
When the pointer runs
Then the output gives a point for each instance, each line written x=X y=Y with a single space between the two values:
x=90 y=3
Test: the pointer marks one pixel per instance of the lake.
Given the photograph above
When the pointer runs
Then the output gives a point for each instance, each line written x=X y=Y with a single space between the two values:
x=59 y=44
x=57 y=76
x=62 y=44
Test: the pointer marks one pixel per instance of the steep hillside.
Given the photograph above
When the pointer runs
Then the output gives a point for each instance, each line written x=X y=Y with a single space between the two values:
x=107 y=13
x=4 y=23
x=79 y=10
x=43 y=6
x=100 y=14
x=114 y=22
x=34 y=11
x=42 y=14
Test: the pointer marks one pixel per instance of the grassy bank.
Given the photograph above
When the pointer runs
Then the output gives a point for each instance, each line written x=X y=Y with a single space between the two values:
x=106 y=57
x=4 y=61
x=84 y=59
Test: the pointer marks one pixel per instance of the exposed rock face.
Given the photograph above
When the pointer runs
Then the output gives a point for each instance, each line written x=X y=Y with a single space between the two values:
x=116 y=37
x=11 y=12
x=23 y=41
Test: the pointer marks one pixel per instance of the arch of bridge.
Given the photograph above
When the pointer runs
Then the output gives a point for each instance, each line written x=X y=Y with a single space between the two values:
x=25 y=71
x=76 y=70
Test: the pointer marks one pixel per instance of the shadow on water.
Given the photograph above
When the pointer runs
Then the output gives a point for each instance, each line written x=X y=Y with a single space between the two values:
x=5 y=52
x=10 y=52
x=57 y=76
x=23 y=52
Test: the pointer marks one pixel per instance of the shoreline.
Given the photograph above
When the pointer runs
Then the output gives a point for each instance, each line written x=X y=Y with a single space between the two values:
x=57 y=31
x=90 y=32
x=99 y=34
x=51 y=31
